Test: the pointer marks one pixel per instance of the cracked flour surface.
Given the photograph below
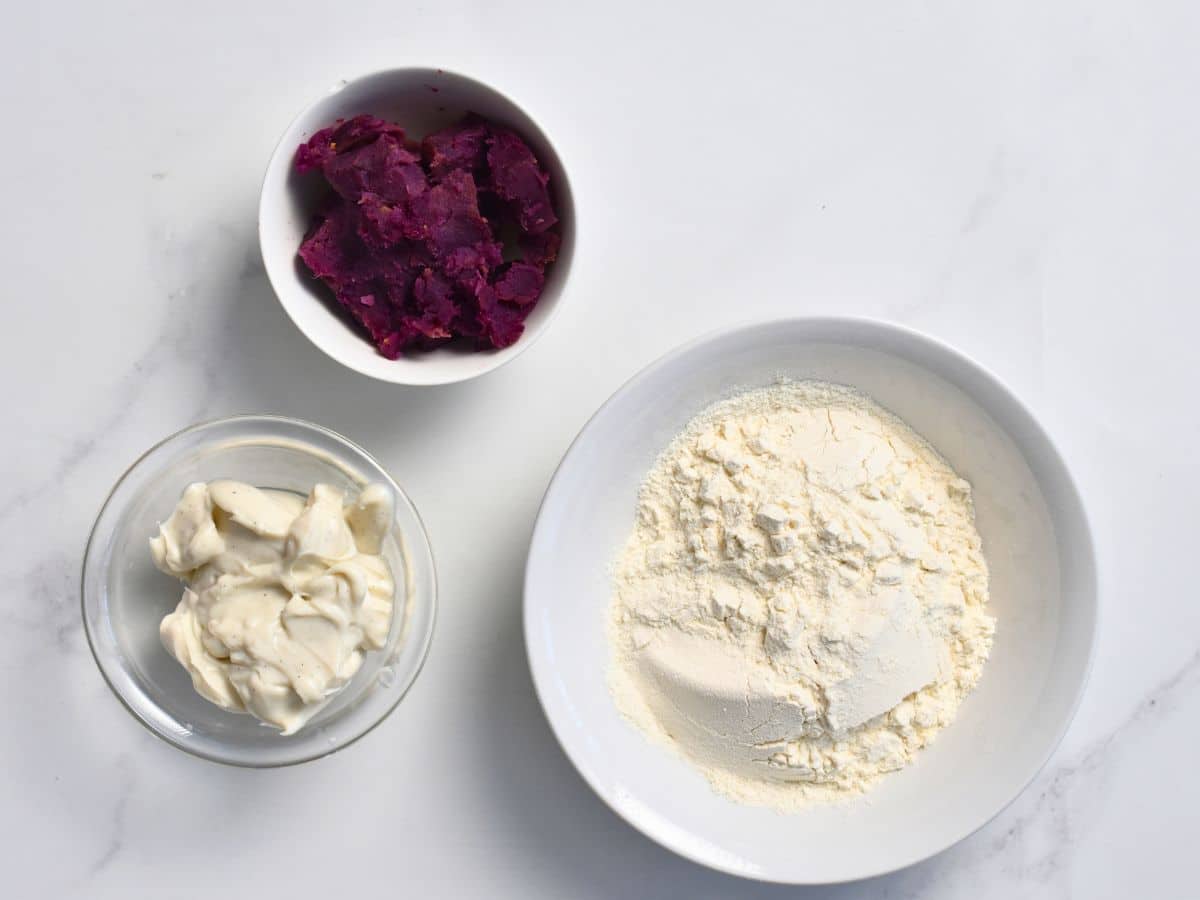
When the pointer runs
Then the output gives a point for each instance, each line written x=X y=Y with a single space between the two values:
x=801 y=605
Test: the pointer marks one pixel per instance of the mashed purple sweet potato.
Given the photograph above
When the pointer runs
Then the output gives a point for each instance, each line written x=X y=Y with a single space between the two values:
x=424 y=244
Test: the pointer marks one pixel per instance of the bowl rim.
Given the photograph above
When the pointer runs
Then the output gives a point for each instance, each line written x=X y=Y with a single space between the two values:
x=869 y=327
x=281 y=155
x=249 y=418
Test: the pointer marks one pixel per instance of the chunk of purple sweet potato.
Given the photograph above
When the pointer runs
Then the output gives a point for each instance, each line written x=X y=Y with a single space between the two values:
x=500 y=324
x=373 y=311
x=396 y=341
x=460 y=146
x=383 y=224
x=366 y=286
x=521 y=283
x=329 y=249
x=514 y=174
x=343 y=135
x=435 y=307
x=468 y=263
x=450 y=215
x=539 y=249
x=383 y=167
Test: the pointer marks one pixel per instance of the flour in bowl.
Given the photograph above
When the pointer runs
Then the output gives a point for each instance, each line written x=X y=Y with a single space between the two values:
x=802 y=604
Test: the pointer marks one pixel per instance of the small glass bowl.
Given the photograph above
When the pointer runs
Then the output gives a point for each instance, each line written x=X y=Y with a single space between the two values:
x=125 y=596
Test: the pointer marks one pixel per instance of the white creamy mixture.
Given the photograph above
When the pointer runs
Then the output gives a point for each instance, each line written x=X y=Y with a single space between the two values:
x=802 y=603
x=283 y=595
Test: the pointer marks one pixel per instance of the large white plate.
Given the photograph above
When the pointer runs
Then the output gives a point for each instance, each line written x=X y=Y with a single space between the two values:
x=1043 y=593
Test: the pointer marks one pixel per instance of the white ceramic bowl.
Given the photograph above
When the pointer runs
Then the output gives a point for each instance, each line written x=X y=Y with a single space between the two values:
x=1043 y=594
x=421 y=100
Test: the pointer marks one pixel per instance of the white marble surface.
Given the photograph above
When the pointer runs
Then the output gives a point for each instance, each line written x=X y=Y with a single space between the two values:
x=1017 y=178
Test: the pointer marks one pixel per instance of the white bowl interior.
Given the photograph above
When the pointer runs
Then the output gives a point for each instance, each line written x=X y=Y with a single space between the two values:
x=421 y=100
x=1037 y=545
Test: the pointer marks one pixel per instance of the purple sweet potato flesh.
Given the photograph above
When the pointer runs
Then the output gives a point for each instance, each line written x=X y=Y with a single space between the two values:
x=459 y=147
x=404 y=244
x=521 y=284
x=539 y=249
x=343 y=135
x=499 y=323
x=517 y=178
x=383 y=167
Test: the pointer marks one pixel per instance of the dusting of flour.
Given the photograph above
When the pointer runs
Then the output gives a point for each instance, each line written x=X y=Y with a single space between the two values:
x=801 y=606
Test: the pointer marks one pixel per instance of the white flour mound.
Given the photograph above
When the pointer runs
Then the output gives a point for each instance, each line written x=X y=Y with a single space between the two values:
x=801 y=605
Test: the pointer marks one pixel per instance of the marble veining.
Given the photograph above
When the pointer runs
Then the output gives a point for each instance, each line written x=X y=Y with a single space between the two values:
x=1062 y=798
x=126 y=783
